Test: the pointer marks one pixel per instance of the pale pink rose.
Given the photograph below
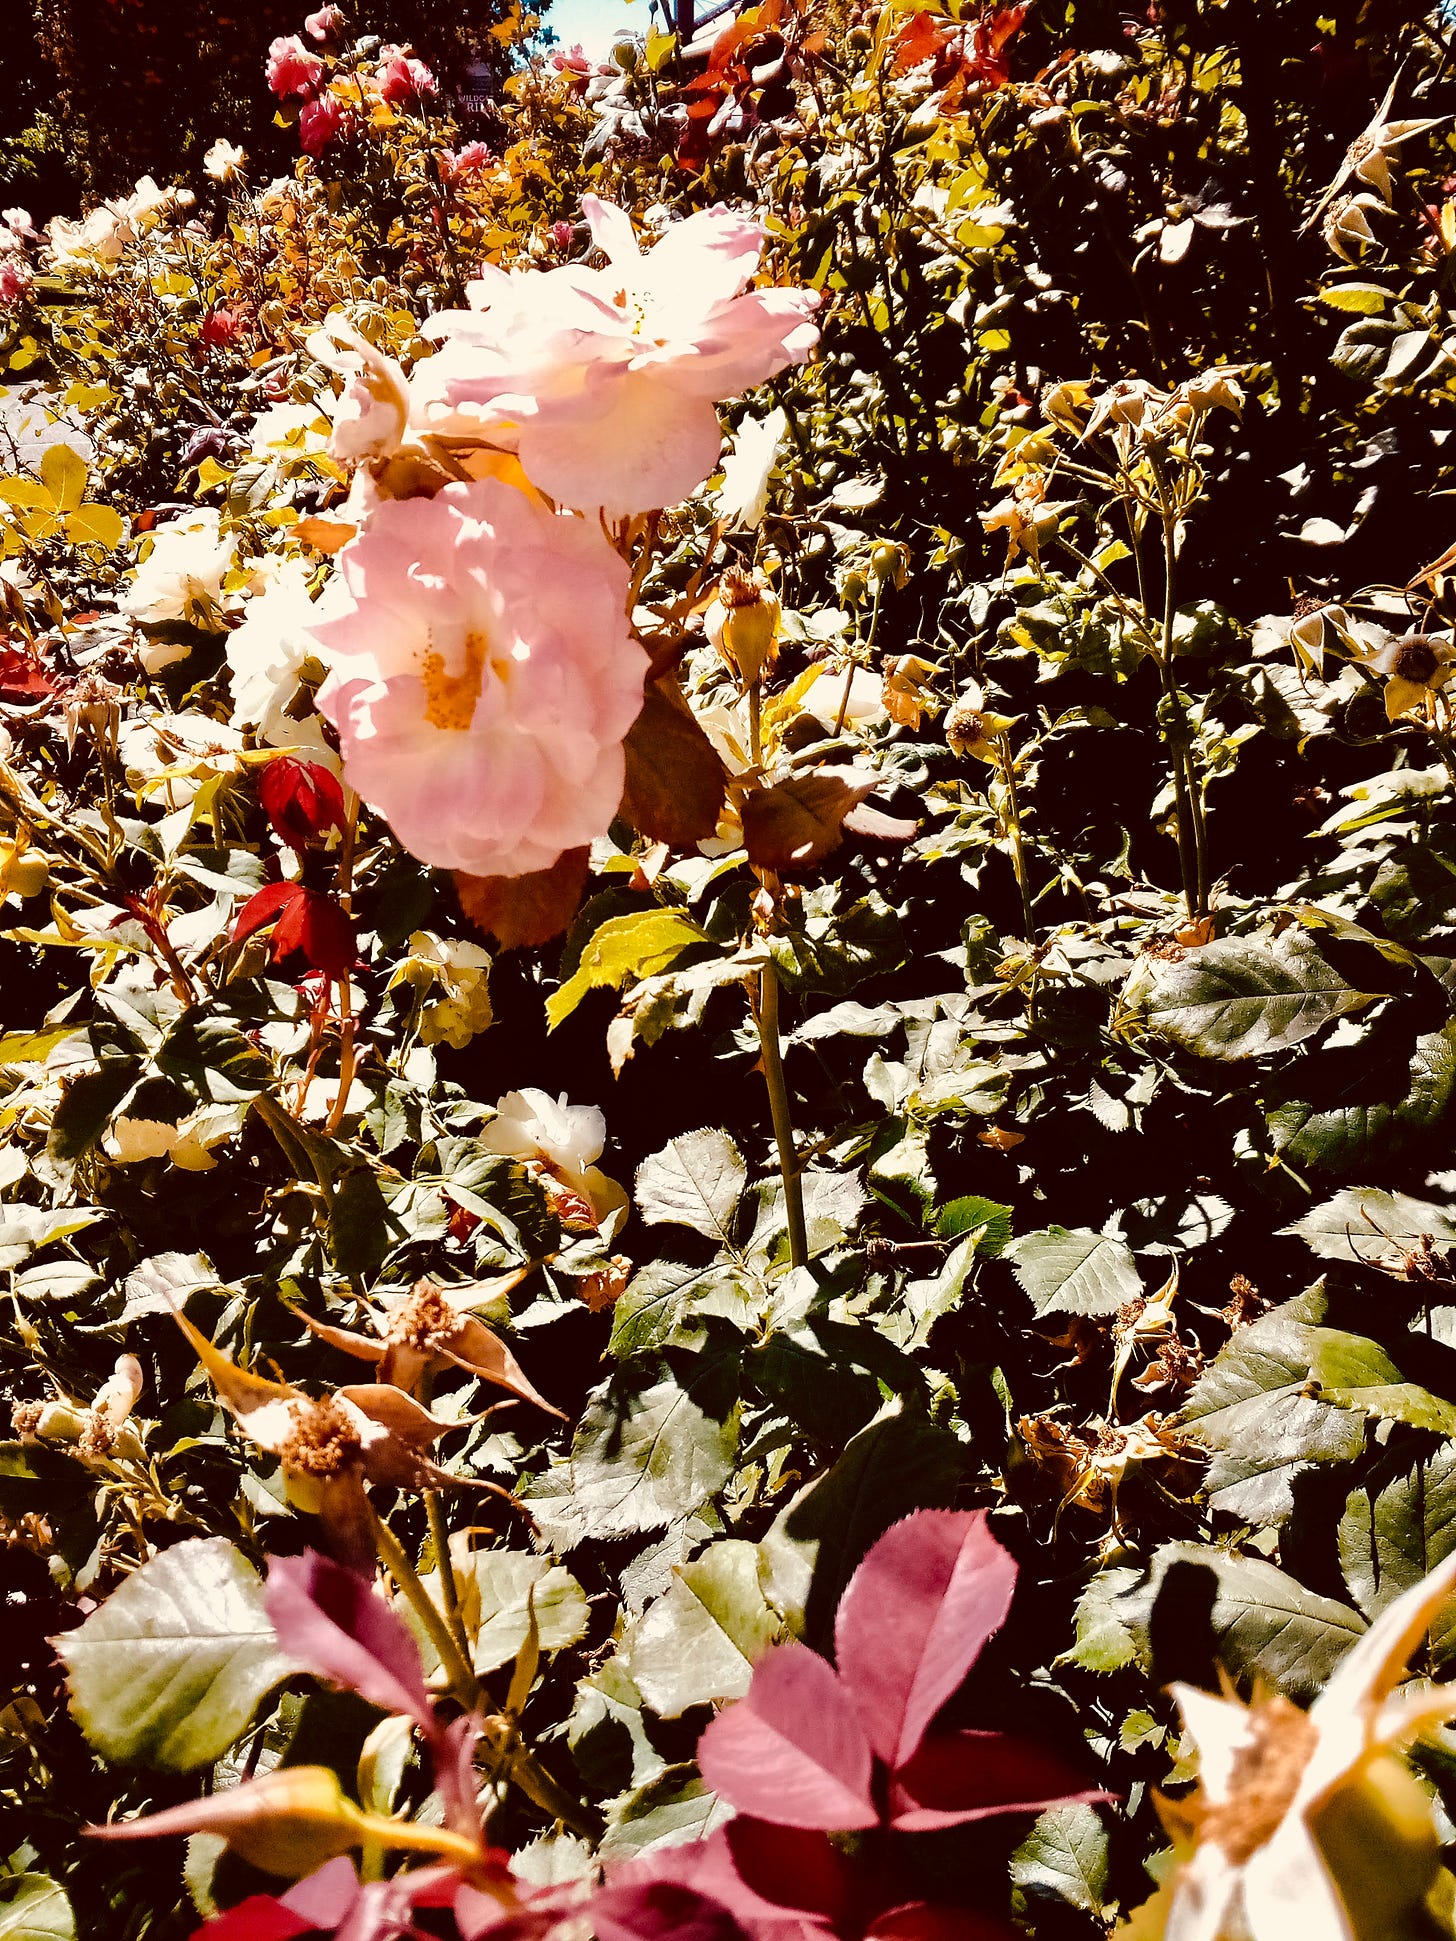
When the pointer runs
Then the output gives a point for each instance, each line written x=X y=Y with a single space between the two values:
x=482 y=677
x=605 y=381
x=400 y=77
x=292 y=68
x=15 y=281
x=325 y=24
x=370 y=417
x=319 y=121
x=469 y=160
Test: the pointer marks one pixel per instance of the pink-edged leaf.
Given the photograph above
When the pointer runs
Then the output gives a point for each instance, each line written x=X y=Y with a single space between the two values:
x=332 y=1620
x=958 y=1776
x=936 y=1921
x=454 y=1751
x=263 y=907
x=793 y=1751
x=303 y=800
x=914 y=1619
x=325 y=1897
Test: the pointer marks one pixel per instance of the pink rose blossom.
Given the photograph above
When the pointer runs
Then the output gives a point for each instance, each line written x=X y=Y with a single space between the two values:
x=220 y=328
x=292 y=69
x=482 y=677
x=325 y=24
x=400 y=77
x=574 y=59
x=15 y=281
x=319 y=121
x=605 y=381
x=469 y=160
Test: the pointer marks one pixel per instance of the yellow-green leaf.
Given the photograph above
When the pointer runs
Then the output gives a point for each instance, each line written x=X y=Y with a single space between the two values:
x=64 y=472
x=95 y=525
x=633 y=946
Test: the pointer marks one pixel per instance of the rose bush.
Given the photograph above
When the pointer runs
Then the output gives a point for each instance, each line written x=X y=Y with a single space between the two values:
x=726 y=859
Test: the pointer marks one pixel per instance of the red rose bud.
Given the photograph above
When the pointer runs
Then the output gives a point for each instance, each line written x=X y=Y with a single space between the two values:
x=304 y=921
x=303 y=800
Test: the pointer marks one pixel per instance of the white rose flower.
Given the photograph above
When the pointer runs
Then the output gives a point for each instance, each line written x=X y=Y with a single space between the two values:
x=563 y=1139
x=181 y=577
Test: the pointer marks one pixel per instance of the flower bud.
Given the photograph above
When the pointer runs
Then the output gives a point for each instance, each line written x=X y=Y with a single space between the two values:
x=743 y=623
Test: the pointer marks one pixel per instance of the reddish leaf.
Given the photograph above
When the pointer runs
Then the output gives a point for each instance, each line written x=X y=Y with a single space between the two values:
x=795 y=823
x=675 y=780
x=934 y=1921
x=332 y=1621
x=914 y=1618
x=519 y=911
x=303 y=920
x=793 y=1750
x=303 y=800
x=957 y=1776
x=659 y=1910
x=24 y=677
x=259 y=1918
x=761 y=1874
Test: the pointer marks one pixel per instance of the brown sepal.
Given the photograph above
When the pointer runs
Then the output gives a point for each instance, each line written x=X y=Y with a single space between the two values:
x=519 y=911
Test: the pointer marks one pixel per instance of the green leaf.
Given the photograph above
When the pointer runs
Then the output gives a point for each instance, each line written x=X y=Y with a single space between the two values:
x=639 y=1461
x=1258 y=1410
x=695 y=1181
x=1264 y=1622
x=1345 y=1137
x=667 y=1301
x=170 y=1669
x=87 y=1105
x=1380 y=1229
x=360 y=1224
x=632 y=946
x=499 y=1587
x=1394 y=1532
x=1075 y=1271
x=1242 y=998
x=989 y=1220
x=697 y=1644
x=24 y=1230
x=1065 y=1858
x=34 y=1908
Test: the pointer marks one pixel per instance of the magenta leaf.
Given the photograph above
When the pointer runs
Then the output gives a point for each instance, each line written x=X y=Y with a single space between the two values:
x=762 y=1875
x=914 y=1619
x=331 y=1620
x=659 y=1910
x=793 y=1751
x=958 y=1776
x=935 y=1921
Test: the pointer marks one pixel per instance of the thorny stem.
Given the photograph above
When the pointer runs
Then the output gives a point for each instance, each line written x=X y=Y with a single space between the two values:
x=392 y=1554
x=440 y=1539
x=766 y=1016
x=1192 y=861
x=1007 y=764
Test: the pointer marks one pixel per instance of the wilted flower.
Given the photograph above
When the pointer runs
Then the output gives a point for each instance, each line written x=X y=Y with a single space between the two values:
x=561 y=1139
x=483 y=677
x=292 y=68
x=331 y=1446
x=181 y=577
x=1415 y=667
x=185 y=1144
x=1314 y=625
x=973 y=729
x=1369 y=156
x=605 y=381
x=453 y=979
x=1346 y=226
x=1027 y=517
x=430 y=1328
x=98 y=1430
x=742 y=621
x=1305 y=1822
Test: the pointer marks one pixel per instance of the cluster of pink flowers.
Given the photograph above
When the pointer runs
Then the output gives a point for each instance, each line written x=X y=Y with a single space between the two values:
x=17 y=235
x=295 y=72
x=484 y=669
